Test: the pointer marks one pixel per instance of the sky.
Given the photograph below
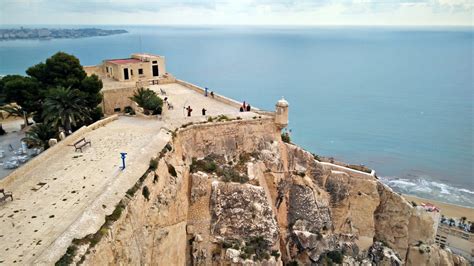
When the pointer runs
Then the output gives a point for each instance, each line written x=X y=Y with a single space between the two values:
x=238 y=12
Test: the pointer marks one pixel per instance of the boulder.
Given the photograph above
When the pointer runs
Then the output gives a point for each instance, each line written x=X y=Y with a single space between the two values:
x=241 y=211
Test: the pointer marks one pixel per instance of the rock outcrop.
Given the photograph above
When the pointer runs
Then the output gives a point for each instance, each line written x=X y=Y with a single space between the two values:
x=233 y=192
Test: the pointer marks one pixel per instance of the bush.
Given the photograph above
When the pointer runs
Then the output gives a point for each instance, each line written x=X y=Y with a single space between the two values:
x=67 y=258
x=129 y=110
x=205 y=165
x=172 y=171
x=231 y=175
x=148 y=100
x=275 y=253
x=96 y=114
x=146 y=193
x=153 y=164
x=222 y=118
x=336 y=256
x=285 y=137
x=361 y=168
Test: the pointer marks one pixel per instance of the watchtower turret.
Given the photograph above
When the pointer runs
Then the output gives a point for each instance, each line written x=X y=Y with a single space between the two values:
x=281 y=116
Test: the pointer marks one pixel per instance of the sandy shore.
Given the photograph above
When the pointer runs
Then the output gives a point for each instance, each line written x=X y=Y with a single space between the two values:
x=448 y=210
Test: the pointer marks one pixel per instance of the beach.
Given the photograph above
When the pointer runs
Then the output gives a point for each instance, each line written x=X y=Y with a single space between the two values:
x=448 y=210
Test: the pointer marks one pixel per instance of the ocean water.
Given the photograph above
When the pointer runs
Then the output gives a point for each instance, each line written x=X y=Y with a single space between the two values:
x=399 y=100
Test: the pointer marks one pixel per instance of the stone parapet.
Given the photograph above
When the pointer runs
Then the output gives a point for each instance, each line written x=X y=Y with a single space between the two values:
x=56 y=148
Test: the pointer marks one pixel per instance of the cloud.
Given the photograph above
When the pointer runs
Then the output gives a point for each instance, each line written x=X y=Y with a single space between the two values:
x=286 y=12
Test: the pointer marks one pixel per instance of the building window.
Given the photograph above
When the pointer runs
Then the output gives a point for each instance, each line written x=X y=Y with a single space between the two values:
x=131 y=72
x=107 y=69
x=155 y=62
x=140 y=71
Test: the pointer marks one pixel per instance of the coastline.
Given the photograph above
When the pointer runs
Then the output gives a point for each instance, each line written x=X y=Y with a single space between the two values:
x=446 y=209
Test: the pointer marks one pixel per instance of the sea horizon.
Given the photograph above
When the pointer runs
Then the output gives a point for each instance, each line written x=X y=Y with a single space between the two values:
x=397 y=99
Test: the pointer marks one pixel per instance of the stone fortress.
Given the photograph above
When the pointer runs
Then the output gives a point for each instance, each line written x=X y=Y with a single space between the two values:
x=220 y=189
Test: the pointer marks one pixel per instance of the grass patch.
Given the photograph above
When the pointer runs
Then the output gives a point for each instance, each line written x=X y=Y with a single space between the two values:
x=229 y=174
x=222 y=118
x=207 y=165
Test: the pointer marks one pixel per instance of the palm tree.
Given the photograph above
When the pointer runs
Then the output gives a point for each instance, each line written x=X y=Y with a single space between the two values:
x=65 y=107
x=39 y=134
x=15 y=110
x=148 y=100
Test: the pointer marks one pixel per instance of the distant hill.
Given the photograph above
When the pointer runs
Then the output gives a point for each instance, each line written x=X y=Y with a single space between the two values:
x=46 y=33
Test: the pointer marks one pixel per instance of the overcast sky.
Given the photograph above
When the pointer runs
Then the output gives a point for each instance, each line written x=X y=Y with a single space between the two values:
x=238 y=12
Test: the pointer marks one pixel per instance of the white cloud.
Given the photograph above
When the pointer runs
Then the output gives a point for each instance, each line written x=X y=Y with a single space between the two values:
x=279 y=12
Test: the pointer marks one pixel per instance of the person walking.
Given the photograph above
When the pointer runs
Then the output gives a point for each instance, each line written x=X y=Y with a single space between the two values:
x=203 y=111
x=212 y=94
x=189 y=109
x=205 y=92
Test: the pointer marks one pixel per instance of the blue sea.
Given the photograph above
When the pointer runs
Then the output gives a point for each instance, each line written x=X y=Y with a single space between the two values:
x=399 y=100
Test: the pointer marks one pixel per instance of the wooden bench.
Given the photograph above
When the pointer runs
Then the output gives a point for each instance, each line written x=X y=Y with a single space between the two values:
x=5 y=195
x=81 y=143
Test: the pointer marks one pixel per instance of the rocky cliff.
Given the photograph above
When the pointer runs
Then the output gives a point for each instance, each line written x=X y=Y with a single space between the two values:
x=233 y=193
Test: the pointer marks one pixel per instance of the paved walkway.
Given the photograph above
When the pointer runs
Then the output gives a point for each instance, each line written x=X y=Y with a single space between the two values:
x=69 y=194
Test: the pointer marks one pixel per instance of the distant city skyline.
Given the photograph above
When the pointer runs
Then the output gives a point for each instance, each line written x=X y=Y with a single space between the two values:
x=238 y=12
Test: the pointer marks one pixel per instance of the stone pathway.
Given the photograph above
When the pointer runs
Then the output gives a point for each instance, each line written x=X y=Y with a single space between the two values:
x=69 y=194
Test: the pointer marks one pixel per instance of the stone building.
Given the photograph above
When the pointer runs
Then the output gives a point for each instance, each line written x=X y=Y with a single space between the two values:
x=121 y=77
x=137 y=67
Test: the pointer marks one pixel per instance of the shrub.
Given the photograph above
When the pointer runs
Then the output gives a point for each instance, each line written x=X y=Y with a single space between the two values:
x=128 y=110
x=153 y=164
x=361 y=168
x=68 y=257
x=336 y=256
x=285 y=137
x=316 y=157
x=205 y=165
x=172 y=171
x=222 y=118
x=96 y=114
x=146 y=193
x=275 y=253
x=148 y=100
x=231 y=175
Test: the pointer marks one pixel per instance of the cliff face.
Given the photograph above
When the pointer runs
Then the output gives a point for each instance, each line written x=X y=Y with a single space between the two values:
x=233 y=192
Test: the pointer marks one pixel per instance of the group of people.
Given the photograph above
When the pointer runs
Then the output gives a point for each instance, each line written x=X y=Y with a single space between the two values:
x=245 y=107
x=189 y=110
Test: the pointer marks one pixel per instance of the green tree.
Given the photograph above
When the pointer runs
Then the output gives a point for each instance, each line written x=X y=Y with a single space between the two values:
x=24 y=91
x=65 y=107
x=60 y=70
x=148 y=100
x=65 y=70
x=39 y=134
